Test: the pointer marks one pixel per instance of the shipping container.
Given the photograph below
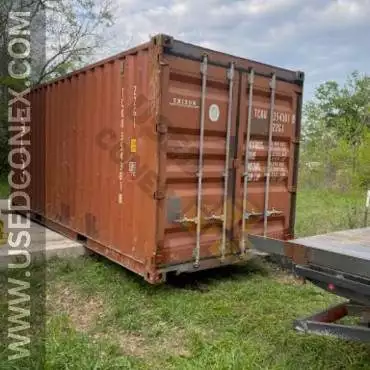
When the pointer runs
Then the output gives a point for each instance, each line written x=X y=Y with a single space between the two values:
x=142 y=156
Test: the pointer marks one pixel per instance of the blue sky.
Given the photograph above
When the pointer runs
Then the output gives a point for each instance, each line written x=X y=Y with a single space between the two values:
x=327 y=39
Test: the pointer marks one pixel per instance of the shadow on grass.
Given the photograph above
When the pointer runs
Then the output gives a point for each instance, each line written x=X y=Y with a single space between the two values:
x=203 y=280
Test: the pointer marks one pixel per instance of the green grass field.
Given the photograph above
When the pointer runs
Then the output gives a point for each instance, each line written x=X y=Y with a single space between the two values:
x=99 y=316
x=321 y=211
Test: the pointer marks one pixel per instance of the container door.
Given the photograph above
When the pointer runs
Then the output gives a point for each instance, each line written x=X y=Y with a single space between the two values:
x=196 y=167
x=267 y=175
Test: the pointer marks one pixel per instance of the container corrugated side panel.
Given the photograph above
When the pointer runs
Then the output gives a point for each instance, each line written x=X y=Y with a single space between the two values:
x=98 y=187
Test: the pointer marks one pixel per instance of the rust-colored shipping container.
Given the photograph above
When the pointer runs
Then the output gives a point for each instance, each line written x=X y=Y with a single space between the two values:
x=142 y=156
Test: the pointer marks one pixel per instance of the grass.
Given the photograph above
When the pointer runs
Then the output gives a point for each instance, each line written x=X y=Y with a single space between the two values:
x=4 y=187
x=100 y=316
x=321 y=211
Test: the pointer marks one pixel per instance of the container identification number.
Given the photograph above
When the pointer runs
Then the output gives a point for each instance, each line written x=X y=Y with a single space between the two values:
x=280 y=119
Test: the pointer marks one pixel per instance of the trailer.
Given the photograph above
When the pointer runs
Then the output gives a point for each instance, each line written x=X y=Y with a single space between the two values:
x=339 y=263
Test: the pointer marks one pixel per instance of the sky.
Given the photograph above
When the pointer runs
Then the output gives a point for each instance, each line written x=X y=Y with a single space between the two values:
x=327 y=39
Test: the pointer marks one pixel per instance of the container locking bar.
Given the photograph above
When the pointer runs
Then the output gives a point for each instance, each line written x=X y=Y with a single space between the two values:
x=215 y=218
x=271 y=212
x=230 y=76
x=203 y=71
x=269 y=151
x=188 y=220
x=246 y=161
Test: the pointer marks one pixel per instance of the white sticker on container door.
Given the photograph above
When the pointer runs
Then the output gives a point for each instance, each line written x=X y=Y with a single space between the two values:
x=214 y=112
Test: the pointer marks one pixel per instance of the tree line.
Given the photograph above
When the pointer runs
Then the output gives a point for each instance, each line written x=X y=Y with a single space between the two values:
x=335 y=150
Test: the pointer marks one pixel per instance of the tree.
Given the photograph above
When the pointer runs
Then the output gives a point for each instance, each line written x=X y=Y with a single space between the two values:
x=336 y=134
x=73 y=30
x=343 y=111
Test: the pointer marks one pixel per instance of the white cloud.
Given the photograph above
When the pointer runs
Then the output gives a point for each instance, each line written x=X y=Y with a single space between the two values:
x=326 y=38
x=339 y=13
x=179 y=9
x=259 y=7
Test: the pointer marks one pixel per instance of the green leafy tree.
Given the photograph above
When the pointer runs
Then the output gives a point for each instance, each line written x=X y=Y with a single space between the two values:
x=343 y=111
x=74 y=30
x=336 y=135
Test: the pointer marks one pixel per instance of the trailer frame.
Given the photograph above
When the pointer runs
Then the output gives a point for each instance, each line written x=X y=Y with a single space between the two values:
x=327 y=322
x=338 y=263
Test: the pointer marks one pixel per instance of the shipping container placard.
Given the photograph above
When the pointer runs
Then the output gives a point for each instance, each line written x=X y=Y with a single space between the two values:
x=133 y=146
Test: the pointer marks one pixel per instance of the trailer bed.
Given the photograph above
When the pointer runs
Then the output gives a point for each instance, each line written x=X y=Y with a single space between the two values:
x=347 y=251
x=354 y=243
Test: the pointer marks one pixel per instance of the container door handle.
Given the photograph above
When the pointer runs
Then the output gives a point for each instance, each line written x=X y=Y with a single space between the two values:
x=246 y=160
x=203 y=71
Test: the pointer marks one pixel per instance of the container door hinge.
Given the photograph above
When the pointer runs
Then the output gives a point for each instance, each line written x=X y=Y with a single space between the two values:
x=292 y=189
x=159 y=195
x=161 y=128
x=122 y=68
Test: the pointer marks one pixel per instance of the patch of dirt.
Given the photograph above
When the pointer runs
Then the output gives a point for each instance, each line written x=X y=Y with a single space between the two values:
x=283 y=275
x=131 y=344
x=137 y=345
x=173 y=343
x=83 y=313
x=288 y=279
